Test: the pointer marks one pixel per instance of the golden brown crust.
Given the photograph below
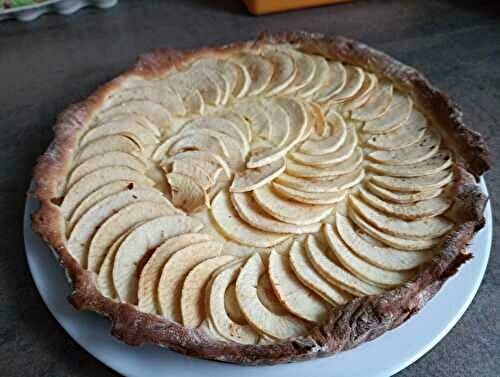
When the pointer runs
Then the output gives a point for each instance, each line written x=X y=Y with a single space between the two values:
x=358 y=321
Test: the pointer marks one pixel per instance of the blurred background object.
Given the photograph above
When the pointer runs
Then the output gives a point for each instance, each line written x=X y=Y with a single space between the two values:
x=28 y=10
x=258 y=7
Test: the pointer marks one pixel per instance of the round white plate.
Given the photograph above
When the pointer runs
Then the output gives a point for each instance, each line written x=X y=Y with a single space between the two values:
x=382 y=357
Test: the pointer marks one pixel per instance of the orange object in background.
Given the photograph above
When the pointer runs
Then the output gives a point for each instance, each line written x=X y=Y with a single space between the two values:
x=270 y=6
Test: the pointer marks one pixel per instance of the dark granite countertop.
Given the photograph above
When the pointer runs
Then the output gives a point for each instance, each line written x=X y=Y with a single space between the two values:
x=55 y=61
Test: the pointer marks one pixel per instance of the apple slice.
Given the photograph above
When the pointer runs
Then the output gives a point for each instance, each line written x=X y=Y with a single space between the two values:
x=125 y=143
x=288 y=211
x=305 y=69
x=401 y=198
x=354 y=81
x=251 y=212
x=398 y=113
x=193 y=290
x=306 y=273
x=370 y=82
x=335 y=274
x=409 y=133
x=227 y=327
x=423 y=150
x=119 y=223
x=321 y=75
x=332 y=141
x=105 y=160
x=345 y=167
x=187 y=193
x=136 y=246
x=233 y=227
x=362 y=269
x=174 y=273
x=298 y=299
x=251 y=179
x=261 y=72
x=276 y=326
x=154 y=112
x=377 y=105
x=383 y=257
x=313 y=198
x=393 y=241
x=410 y=184
x=438 y=162
x=430 y=228
x=338 y=183
x=335 y=82
x=96 y=179
x=421 y=209
x=151 y=272
x=284 y=71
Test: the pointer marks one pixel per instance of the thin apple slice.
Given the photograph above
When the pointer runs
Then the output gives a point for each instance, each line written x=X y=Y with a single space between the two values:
x=376 y=106
x=426 y=229
x=284 y=71
x=207 y=156
x=330 y=143
x=195 y=79
x=339 y=183
x=411 y=132
x=297 y=298
x=279 y=122
x=369 y=84
x=421 y=209
x=438 y=162
x=305 y=68
x=410 y=184
x=335 y=274
x=423 y=150
x=105 y=160
x=305 y=272
x=327 y=159
x=105 y=278
x=136 y=245
x=342 y=168
x=393 y=241
x=398 y=113
x=174 y=273
x=150 y=275
x=191 y=96
x=155 y=91
x=313 y=198
x=96 y=179
x=362 y=269
x=119 y=126
x=154 y=112
x=231 y=330
x=189 y=167
x=187 y=193
x=321 y=75
x=288 y=211
x=114 y=143
x=261 y=72
x=354 y=81
x=119 y=223
x=402 y=198
x=251 y=212
x=298 y=125
x=192 y=300
x=383 y=257
x=335 y=82
x=251 y=179
x=276 y=326
x=252 y=112
x=243 y=82
x=234 y=228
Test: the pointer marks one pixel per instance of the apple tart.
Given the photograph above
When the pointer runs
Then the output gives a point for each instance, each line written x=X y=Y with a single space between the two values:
x=262 y=202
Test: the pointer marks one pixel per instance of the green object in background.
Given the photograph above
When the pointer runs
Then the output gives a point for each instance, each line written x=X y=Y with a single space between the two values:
x=7 y=4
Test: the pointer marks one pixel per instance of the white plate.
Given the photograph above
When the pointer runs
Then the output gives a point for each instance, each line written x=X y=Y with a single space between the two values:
x=382 y=357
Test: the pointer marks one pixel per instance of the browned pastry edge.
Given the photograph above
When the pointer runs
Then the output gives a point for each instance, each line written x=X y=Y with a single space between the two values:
x=360 y=320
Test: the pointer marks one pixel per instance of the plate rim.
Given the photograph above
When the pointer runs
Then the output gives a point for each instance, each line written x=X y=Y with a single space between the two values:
x=396 y=366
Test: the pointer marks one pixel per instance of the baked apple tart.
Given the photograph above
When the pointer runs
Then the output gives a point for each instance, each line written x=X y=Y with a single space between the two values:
x=262 y=202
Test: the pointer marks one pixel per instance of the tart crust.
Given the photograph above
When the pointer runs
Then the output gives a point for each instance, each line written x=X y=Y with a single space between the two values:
x=348 y=325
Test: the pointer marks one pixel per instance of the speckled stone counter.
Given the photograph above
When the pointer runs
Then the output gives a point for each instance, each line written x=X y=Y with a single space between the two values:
x=55 y=61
